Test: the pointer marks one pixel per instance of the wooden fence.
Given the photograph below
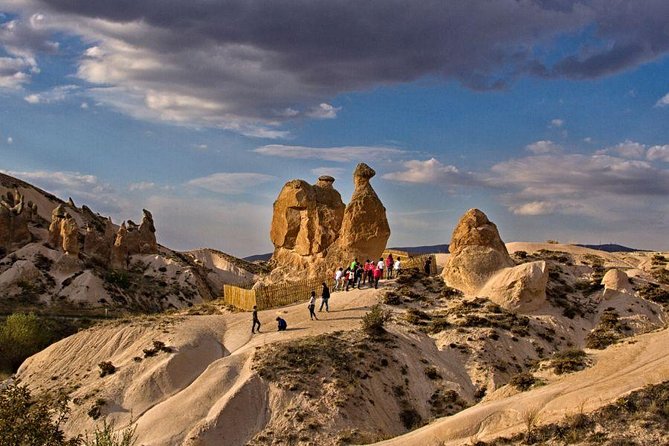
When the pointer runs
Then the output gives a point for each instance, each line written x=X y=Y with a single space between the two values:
x=270 y=296
x=278 y=295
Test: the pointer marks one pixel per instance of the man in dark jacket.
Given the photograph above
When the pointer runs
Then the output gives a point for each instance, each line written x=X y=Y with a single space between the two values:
x=256 y=321
x=325 y=296
x=281 y=324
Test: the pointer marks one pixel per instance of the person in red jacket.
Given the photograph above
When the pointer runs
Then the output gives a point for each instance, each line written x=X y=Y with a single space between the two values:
x=377 y=273
x=389 y=266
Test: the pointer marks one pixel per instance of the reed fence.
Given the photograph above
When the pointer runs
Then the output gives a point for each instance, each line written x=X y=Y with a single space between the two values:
x=278 y=295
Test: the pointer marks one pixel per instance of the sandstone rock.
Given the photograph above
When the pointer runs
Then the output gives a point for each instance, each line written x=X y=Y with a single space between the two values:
x=364 y=230
x=22 y=271
x=64 y=231
x=14 y=218
x=98 y=241
x=521 y=288
x=477 y=252
x=616 y=281
x=134 y=239
x=313 y=232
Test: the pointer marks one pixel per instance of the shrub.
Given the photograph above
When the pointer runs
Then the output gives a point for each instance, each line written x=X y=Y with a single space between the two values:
x=568 y=361
x=432 y=373
x=21 y=336
x=105 y=436
x=374 y=321
x=106 y=368
x=523 y=381
x=410 y=418
x=118 y=278
x=392 y=298
x=25 y=420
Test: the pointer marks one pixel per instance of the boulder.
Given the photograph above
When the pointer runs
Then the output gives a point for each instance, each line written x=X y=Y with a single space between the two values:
x=15 y=215
x=616 y=281
x=521 y=288
x=313 y=232
x=477 y=253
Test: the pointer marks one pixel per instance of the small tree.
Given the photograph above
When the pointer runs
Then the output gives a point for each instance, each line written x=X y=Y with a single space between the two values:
x=21 y=336
x=25 y=420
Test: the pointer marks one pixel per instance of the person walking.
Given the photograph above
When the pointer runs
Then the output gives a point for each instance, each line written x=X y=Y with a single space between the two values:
x=281 y=324
x=358 y=276
x=378 y=272
x=325 y=297
x=397 y=266
x=350 y=277
x=369 y=272
x=389 y=266
x=428 y=266
x=256 y=321
x=312 y=306
x=338 y=279
x=344 y=278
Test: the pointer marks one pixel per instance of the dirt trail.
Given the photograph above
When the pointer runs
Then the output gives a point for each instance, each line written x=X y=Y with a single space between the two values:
x=618 y=370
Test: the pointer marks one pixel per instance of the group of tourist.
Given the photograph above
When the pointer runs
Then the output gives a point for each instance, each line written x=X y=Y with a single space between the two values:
x=356 y=275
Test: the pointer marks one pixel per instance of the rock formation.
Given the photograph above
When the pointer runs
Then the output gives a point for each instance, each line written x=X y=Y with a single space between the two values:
x=313 y=232
x=521 y=288
x=15 y=215
x=98 y=241
x=134 y=239
x=477 y=252
x=64 y=231
x=616 y=281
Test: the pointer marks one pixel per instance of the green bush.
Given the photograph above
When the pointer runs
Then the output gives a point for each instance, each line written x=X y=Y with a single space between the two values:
x=568 y=361
x=523 y=381
x=105 y=436
x=21 y=336
x=374 y=321
x=27 y=421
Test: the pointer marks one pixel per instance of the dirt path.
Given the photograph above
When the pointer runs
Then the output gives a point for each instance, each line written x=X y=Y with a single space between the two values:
x=618 y=370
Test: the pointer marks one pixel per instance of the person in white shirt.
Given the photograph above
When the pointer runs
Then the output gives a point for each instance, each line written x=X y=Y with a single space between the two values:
x=396 y=266
x=337 y=284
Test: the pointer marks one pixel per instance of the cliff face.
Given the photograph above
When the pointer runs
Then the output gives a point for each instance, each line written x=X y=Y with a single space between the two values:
x=313 y=232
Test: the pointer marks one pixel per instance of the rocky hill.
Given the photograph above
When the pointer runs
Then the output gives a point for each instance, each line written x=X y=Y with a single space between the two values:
x=57 y=256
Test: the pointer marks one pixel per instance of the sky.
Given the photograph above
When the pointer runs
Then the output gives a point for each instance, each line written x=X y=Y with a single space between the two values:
x=551 y=116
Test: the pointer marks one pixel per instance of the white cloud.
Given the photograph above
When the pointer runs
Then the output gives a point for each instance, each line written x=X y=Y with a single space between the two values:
x=663 y=101
x=84 y=105
x=556 y=123
x=627 y=149
x=543 y=147
x=429 y=171
x=230 y=183
x=10 y=140
x=141 y=186
x=338 y=154
x=331 y=171
x=600 y=186
x=659 y=153
x=324 y=111
x=56 y=94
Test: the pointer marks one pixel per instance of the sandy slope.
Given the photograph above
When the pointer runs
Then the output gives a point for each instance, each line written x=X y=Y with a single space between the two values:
x=618 y=370
x=195 y=395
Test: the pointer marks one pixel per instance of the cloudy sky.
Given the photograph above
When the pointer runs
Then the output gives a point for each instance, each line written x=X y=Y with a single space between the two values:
x=549 y=115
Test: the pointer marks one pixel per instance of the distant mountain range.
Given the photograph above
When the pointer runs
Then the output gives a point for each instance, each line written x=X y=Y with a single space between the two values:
x=438 y=249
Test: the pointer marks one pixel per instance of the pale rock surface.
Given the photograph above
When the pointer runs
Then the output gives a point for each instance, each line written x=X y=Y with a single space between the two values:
x=616 y=281
x=64 y=231
x=477 y=253
x=313 y=232
x=134 y=239
x=15 y=215
x=521 y=288
x=22 y=271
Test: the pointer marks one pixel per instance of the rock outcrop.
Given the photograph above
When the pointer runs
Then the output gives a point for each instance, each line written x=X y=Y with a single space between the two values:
x=15 y=215
x=521 y=288
x=134 y=239
x=98 y=241
x=64 y=231
x=313 y=232
x=616 y=281
x=477 y=253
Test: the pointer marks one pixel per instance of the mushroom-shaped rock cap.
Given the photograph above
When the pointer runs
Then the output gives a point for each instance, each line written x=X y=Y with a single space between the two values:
x=362 y=170
x=326 y=178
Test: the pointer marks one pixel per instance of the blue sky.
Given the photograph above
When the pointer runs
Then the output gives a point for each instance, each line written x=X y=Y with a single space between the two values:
x=550 y=116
